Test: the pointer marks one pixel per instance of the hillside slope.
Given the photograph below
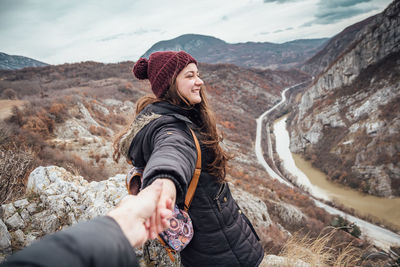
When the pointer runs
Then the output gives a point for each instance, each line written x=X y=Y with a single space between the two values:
x=348 y=121
x=337 y=45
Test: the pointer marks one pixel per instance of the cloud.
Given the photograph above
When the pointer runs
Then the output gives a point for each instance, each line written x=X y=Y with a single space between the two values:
x=136 y=33
x=338 y=14
x=340 y=3
x=277 y=31
x=329 y=12
x=280 y=1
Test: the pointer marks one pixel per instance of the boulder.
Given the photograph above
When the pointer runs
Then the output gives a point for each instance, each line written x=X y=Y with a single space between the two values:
x=5 y=239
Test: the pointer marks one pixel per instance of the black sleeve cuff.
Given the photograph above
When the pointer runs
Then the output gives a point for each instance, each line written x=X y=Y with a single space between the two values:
x=180 y=195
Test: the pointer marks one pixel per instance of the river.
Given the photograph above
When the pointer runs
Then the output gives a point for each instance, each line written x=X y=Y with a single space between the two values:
x=388 y=209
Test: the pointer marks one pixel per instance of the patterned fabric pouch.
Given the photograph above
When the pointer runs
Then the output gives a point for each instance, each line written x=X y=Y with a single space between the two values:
x=180 y=232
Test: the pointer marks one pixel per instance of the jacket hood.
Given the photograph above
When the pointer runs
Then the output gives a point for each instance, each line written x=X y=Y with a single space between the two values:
x=148 y=114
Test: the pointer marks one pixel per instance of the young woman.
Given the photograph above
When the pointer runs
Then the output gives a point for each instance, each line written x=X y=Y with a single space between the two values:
x=159 y=139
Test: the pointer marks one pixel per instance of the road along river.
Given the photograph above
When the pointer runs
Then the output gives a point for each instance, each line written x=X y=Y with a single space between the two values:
x=381 y=237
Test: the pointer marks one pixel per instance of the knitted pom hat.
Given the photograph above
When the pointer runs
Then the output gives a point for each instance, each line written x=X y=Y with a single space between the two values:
x=160 y=68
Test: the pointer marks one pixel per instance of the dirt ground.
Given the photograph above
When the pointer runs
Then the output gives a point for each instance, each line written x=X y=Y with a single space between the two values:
x=6 y=107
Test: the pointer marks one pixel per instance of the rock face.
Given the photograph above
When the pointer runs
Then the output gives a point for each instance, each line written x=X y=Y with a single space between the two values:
x=333 y=49
x=75 y=134
x=56 y=199
x=253 y=207
x=349 y=119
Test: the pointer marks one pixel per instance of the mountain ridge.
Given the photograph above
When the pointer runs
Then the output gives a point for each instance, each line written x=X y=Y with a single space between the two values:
x=13 y=62
x=209 y=49
x=333 y=48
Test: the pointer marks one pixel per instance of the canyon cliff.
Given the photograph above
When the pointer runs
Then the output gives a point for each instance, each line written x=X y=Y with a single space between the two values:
x=348 y=121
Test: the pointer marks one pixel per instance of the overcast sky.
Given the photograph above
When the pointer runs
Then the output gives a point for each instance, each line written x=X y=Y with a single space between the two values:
x=59 y=31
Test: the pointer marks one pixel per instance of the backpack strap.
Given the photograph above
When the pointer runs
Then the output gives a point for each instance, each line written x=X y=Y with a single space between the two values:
x=195 y=179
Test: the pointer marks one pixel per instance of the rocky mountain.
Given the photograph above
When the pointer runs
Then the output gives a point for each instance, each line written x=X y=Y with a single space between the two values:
x=333 y=49
x=348 y=121
x=9 y=62
x=262 y=55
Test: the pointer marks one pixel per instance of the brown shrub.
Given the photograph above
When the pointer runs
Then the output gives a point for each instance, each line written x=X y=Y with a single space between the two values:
x=227 y=124
x=116 y=119
x=17 y=117
x=59 y=111
x=72 y=163
x=272 y=239
x=9 y=94
x=5 y=133
x=97 y=130
x=15 y=166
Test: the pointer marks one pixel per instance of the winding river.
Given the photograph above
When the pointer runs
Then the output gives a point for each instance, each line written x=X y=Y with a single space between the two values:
x=320 y=188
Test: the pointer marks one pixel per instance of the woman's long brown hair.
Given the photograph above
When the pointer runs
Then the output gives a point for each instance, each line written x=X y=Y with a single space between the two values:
x=208 y=128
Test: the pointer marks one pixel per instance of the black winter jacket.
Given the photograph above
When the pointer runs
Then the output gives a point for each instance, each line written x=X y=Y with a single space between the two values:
x=223 y=236
x=97 y=243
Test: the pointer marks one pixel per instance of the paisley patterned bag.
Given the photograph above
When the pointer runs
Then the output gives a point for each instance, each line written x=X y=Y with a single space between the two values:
x=180 y=232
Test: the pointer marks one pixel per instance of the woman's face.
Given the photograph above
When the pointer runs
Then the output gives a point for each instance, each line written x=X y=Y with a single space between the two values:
x=189 y=83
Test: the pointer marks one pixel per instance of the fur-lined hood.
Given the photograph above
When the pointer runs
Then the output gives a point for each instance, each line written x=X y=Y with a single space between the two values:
x=141 y=121
x=149 y=114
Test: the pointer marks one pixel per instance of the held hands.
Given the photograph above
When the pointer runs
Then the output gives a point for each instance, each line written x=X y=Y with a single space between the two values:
x=141 y=217
x=167 y=201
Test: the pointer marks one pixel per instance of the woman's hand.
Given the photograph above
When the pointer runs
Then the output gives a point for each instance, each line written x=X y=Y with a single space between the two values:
x=167 y=201
x=139 y=215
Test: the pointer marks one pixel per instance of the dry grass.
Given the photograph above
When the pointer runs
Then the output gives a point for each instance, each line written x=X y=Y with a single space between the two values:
x=15 y=166
x=6 y=107
x=317 y=252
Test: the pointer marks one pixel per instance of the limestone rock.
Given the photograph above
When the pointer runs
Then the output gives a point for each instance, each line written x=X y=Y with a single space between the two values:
x=50 y=224
x=25 y=216
x=290 y=214
x=5 y=238
x=15 y=221
x=112 y=102
x=100 y=108
x=22 y=203
x=86 y=115
x=254 y=208
x=277 y=261
x=8 y=210
x=19 y=237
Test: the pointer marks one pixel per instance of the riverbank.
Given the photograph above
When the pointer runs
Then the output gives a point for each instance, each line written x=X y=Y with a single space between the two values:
x=369 y=207
x=379 y=236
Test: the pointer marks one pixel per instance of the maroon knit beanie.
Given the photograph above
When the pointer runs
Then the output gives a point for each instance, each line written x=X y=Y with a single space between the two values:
x=160 y=68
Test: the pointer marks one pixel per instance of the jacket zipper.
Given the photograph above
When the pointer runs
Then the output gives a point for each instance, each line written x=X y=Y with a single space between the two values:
x=218 y=195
